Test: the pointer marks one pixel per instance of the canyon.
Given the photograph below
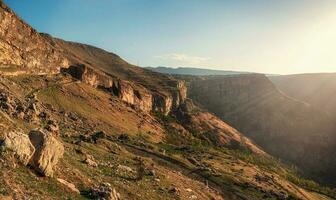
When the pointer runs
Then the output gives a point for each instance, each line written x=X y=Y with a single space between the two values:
x=80 y=121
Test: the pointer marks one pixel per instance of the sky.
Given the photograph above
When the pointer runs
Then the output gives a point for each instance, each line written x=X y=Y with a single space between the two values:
x=267 y=36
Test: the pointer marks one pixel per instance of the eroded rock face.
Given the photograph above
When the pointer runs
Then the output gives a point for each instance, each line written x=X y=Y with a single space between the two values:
x=48 y=150
x=133 y=94
x=285 y=127
x=20 y=144
x=23 y=48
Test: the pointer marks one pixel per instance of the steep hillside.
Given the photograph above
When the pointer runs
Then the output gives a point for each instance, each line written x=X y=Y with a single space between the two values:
x=22 y=49
x=100 y=128
x=285 y=127
x=142 y=88
x=316 y=89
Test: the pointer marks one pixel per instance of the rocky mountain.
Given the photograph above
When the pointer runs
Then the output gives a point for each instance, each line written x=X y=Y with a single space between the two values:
x=192 y=71
x=317 y=90
x=79 y=121
x=23 y=50
x=285 y=127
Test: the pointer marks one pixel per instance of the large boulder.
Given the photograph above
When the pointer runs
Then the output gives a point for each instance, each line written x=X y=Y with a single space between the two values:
x=20 y=144
x=48 y=150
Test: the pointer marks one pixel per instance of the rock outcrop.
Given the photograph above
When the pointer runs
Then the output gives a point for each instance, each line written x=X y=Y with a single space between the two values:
x=48 y=151
x=70 y=186
x=134 y=94
x=39 y=149
x=22 y=49
x=20 y=144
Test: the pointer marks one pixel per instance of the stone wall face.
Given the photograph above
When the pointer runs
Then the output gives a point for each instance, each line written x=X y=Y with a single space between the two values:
x=283 y=126
x=131 y=93
x=22 y=47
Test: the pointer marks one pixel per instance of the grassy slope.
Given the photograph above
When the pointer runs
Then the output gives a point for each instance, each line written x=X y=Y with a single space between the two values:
x=228 y=172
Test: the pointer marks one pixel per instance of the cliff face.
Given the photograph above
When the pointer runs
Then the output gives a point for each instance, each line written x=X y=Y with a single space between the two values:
x=23 y=49
x=283 y=126
x=134 y=94
x=315 y=89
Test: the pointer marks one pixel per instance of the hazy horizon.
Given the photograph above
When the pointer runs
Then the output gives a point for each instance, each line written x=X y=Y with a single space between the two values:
x=282 y=37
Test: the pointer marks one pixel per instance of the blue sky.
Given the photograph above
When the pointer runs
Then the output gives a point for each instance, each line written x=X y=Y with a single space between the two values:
x=270 y=36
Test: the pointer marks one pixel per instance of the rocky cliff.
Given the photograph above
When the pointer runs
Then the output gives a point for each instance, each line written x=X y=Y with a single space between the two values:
x=285 y=127
x=136 y=95
x=315 y=89
x=22 y=49
x=146 y=90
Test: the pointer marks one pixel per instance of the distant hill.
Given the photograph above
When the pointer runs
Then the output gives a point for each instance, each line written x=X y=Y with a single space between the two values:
x=193 y=71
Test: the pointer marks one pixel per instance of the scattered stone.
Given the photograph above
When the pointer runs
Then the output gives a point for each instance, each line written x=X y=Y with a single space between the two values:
x=52 y=126
x=125 y=169
x=71 y=186
x=193 y=197
x=89 y=160
x=20 y=115
x=189 y=190
x=48 y=150
x=174 y=190
x=157 y=180
x=105 y=192
x=20 y=144
x=72 y=116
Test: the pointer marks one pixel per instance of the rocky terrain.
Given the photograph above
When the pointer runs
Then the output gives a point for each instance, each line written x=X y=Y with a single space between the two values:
x=79 y=121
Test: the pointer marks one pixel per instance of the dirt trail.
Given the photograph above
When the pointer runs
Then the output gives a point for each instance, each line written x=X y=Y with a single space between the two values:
x=191 y=172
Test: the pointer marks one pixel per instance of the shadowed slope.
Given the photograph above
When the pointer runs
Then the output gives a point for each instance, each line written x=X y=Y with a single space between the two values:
x=284 y=127
x=319 y=90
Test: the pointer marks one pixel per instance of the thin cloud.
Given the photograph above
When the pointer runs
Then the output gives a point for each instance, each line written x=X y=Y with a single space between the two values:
x=183 y=58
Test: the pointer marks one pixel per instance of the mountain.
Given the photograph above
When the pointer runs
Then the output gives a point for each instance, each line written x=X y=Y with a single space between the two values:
x=78 y=122
x=285 y=127
x=315 y=89
x=192 y=71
